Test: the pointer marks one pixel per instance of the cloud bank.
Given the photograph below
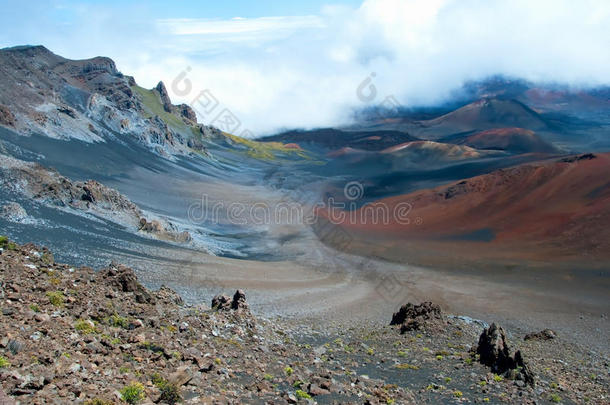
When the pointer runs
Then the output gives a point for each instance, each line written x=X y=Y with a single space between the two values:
x=304 y=71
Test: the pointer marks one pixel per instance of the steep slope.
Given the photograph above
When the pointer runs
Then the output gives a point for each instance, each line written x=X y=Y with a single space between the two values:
x=548 y=210
x=90 y=100
x=487 y=113
x=514 y=140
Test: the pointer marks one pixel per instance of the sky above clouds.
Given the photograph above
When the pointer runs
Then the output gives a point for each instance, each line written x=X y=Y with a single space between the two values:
x=284 y=64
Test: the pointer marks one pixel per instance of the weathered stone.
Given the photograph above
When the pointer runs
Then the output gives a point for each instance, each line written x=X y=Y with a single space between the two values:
x=494 y=352
x=414 y=317
x=546 y=334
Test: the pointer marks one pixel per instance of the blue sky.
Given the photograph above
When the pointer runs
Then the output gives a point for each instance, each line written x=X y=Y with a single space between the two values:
x=280 y=64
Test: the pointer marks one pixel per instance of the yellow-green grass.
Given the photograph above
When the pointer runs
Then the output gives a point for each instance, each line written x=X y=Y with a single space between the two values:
x=264 y=150
x=152 y=102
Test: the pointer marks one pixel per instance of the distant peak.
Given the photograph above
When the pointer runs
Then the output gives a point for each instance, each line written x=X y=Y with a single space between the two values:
x=31 y=50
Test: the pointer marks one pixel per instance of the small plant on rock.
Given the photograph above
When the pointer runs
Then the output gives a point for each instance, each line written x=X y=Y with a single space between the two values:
x=300 y=394
x=4 y=362
x=56 y=298
x=170 y=392
x=84 y=326
x=118 y=321
x=555 y=398
x=288 y=370
x=7 y=244
x=132 y=393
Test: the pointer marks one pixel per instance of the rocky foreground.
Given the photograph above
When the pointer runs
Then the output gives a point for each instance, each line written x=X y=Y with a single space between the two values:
x=75 y=335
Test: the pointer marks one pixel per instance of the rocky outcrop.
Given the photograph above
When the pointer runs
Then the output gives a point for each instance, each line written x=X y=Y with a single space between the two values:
x=165 y=100
x=187 y=112
x=51 y=188
x=88 y=100
x=415 y=317
x=13 y=212
x=6 y=116
x=223 y=302
x=494 y=352
x=124 y=279
x=546 y=334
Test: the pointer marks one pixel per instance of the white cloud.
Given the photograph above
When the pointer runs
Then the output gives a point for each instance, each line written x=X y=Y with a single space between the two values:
x=303 y=71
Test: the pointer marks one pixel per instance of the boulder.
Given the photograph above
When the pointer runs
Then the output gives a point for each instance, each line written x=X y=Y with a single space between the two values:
x=224 y=302
x=6 y=116
x=221 y=302
x=239 y=301
x=546 y=334
x=415 y=317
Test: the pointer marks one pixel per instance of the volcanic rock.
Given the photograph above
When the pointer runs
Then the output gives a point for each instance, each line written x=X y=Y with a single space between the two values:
x=165 y=100
x=224 y=302
x=6 y=116
x=187 y=112
x=13 y=212
x=221 y=302
x=494 y=352
x=124 y=279
x=546 y=334
x=415 y=317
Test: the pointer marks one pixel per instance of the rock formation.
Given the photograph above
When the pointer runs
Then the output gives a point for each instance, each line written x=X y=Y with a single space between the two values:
x=415 y=317
x=546 y=334
x=225 y=303
x=494 y=352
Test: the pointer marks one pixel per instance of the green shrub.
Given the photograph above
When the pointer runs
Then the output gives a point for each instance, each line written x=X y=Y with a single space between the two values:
x=300 y=394
x=56 y=298
x=35 y=307
x=7 y=244
x=84 y=326
x=170 y=392
x=132 y=393
x=4 y=362
x=555 y=398
x=288 y=370
x=118 y=321
x=406 y=366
